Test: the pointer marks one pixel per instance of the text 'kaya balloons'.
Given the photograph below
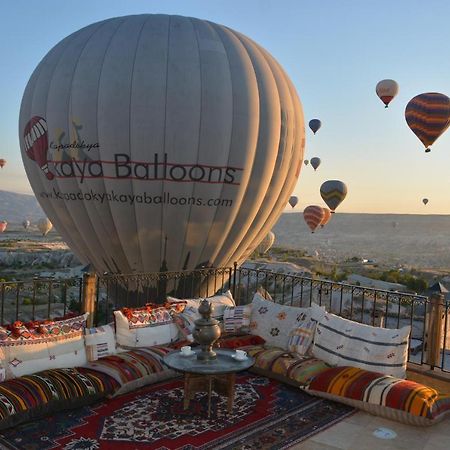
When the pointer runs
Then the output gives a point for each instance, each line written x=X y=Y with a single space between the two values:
x=313 y=216
x=154 y=139
x=428 y=116
x=386 y=90
x=333 y=193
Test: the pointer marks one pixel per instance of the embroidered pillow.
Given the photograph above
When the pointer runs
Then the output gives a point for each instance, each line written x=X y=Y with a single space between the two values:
x=100 y=342
x=342 y=342
x=141 y=327
x=301 y=337
x=237 y=319
x=273 y=322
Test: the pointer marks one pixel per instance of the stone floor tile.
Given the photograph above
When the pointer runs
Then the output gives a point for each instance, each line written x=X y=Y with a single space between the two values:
x=311 y=445
x=338 y=435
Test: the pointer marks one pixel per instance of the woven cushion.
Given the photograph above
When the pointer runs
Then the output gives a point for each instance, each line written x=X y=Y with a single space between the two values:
x=100 y=342
x=236 y=319
x=394 y=398
x=301 y=338
x=134 y=368
x=237 y=341
x=285 y=366
x=342 y=342
x=49 y=344
x=274 y=322
x=32 y=396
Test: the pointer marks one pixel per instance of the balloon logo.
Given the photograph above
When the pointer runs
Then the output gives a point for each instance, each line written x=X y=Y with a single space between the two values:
x=315 y=162
x=293 y=200
x=425 y=201
x=3 y=225
x=326 y=217
x=315 y=125
x=306 y=162
x=428 y=116
x=188 y=143
x=313 y=216
x=265 y=245
x=386 y=90
x=36 y=143
x=333 y=193
x=2 y=163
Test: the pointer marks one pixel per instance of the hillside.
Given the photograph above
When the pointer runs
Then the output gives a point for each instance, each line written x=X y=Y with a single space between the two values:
x=14 y=208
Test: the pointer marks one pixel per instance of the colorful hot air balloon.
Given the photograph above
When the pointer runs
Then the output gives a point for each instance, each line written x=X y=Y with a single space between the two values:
x=425 y=201
x=333 y=193
x=44 y=226
x=428 y=116
x=313 y=216
x=306 y=162
x=293 y=200
x=3 y=225
x=2 y=163
x=266 y=243
x=26 y=224
x=315 y=124
x=315 y=162
x=386 y=90
x=326 y=217
x=188 y=137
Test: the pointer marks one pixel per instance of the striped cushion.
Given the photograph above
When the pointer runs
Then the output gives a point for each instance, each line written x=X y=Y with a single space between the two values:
x=284 y=366
x=342 y=342
x=237 y=319
x=32 y=396
x=135 y=368
x=394 y=398
x=301 y=338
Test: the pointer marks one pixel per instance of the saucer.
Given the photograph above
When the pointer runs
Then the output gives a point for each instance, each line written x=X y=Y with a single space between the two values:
x=188 y=354
x=240 y=358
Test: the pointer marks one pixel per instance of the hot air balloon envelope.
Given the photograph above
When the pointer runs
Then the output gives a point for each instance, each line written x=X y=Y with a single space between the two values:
x=44 y=226
x=3 y=225
x=265 y=245
x=293 y=200
x=386 y=90
x=425 y=201
x=313 y=216
x=315 y=125
x=326 y=217
x=156 y=141
x=306 y=162
x=333 y=193
x=315 y=162
x=2 y=163
x=26 y=224
x=428 y=116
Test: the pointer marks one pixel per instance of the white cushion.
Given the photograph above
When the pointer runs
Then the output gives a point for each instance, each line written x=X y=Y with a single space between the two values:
x=342 y=342
x=274 y=322
x=145 y=329
x=100 y=342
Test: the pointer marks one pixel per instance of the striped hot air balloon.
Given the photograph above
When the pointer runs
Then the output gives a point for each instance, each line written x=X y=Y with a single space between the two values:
x=326 y=217
x=313 y=216
x=428 y=116
x=333 y=193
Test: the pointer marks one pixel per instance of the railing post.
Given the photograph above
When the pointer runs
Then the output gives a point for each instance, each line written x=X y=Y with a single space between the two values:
x=89 y=296
x=233 y=291
x=434 y=325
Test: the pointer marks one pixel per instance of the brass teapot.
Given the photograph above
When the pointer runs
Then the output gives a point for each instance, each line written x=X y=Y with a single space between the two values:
x=207 y=331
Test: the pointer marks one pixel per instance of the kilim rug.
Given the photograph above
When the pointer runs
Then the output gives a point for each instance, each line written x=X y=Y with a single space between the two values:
x=266 y=415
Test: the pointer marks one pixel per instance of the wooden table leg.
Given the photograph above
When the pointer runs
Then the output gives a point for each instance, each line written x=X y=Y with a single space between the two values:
x=231 y=387
x=210 y=380
x=187 y=392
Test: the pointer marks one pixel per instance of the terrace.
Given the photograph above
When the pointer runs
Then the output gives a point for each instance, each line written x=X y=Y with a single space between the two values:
x=429 y=352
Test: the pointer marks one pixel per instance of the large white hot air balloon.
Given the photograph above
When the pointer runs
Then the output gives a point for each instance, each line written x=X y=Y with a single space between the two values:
x=265 y=245
x=44 y=226
x=147 y=130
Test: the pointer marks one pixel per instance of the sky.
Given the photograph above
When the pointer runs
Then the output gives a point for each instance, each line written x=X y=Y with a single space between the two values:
x=335 y=52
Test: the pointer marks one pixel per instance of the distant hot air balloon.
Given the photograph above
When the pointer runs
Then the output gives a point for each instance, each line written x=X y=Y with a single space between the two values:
x=293 y=200
x=44 y=226
x=326 y=217
x=306 y=162
x=266 y=243
x=313 y=216
x=333 y=193
x=428 y=116
x=315 y=162
x=425 y=201
x=187 y=145
x=315 y=124
x=3 y=225
x=386 y=90
x=26 y=224
x=2 y=163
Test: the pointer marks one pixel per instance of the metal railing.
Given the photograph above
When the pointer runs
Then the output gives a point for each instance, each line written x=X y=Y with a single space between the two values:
x=427 y=317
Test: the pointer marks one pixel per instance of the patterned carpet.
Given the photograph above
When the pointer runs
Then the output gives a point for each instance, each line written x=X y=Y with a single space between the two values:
x=266 y=415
